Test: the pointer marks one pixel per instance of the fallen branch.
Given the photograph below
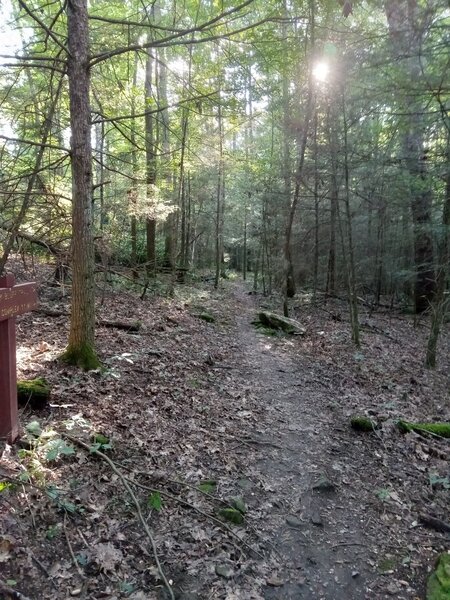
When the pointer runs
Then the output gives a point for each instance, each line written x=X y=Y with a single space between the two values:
x=69 y=545
x=9 y=593
x=142 y=519
x=199 y=510
x=124 y=325
x=434 y=523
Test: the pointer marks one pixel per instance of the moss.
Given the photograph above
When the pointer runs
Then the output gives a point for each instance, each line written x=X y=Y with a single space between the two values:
x=264 y=329
x=35 y=392
x=438 y=586
x=441 y=429
x=83 y=356
x=363 y=424
x=204 y=316
x=233 y=515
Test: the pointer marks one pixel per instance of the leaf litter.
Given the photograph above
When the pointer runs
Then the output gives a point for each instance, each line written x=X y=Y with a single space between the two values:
x=203 y=417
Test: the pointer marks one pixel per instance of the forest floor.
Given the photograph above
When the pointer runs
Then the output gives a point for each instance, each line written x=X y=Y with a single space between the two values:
x=202 y=416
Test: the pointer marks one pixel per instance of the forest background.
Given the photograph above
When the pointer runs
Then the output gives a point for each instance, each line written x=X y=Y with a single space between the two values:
x=306 y=143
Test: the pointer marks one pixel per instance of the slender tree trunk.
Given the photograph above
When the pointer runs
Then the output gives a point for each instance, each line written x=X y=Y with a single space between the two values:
x=219 y=200
x=334 y=199
x=150 y=163
x=46 y=129
x=133 y=192
x=80 y=350
x=406 y=31
x=351 y=274
x=440 y=303
x=316 y=209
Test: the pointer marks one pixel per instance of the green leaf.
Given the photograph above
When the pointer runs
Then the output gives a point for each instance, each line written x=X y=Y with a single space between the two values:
x=155 y=501
x=126 y=587
x=56 y=448
x=239 y=504
x=82 y=559
x=11 y=582
x=34 y=428
x=5 y=485
x=232 y=515
x=208 y=486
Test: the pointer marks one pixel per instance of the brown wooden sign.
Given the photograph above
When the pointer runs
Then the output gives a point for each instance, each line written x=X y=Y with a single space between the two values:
x=14 y=300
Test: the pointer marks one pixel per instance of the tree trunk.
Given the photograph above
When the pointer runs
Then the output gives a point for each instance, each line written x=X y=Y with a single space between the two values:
x=407 y=33
x=440 y=303
x=150 y=166
x=46 y=130
x=80 y=350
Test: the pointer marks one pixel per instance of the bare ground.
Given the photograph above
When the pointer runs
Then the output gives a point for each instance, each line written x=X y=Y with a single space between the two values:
x=330 y=513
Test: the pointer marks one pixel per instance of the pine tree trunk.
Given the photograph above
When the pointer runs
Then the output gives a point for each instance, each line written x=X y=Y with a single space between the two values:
x=440 y=303
x=80 y=350
x=406 y=31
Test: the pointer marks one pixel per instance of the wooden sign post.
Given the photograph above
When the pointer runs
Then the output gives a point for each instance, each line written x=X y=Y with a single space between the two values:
x=14 y=300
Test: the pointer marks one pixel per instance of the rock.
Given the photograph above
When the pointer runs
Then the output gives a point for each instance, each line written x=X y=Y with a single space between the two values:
x=293 y=521
x=324 y=485
x=245 y=484
x=274 y=321
x=274 y=581
x=34 y=393
x=363 y=424
x=204 y=316
x=224 y=571
x=316 y=520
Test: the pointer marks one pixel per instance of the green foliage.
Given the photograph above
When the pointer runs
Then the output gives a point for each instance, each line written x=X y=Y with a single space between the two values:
x=155 y=501
x=56 y=448
x=383 y=494
x=101 y=442
x=438 y=585
x=232 y=515
x=208 y=486
x=363 y=424
x=436 y=481
x=57 y=496
x=439 y=429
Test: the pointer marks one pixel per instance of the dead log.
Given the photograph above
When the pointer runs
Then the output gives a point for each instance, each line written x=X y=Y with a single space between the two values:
x=133 y=327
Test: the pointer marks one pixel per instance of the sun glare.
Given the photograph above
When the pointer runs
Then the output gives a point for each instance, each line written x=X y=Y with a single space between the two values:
x=321 y=70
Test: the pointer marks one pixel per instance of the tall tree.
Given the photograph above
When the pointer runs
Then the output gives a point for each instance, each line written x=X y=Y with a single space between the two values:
x=80 y=350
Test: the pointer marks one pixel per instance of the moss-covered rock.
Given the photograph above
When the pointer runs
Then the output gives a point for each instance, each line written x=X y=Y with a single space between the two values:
x=232 y=515
x=441 y=429
x=438 y=586
x=34 y=393
x=83 y=356
x=205 y=316
x=274 y=321
x=359 y=423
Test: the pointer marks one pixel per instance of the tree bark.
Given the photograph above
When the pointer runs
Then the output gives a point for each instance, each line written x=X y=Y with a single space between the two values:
x=80 y=350
x=150 y=159
x=407 y=31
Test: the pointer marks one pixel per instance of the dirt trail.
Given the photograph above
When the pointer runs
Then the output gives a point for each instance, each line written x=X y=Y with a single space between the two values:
x=314 y=517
